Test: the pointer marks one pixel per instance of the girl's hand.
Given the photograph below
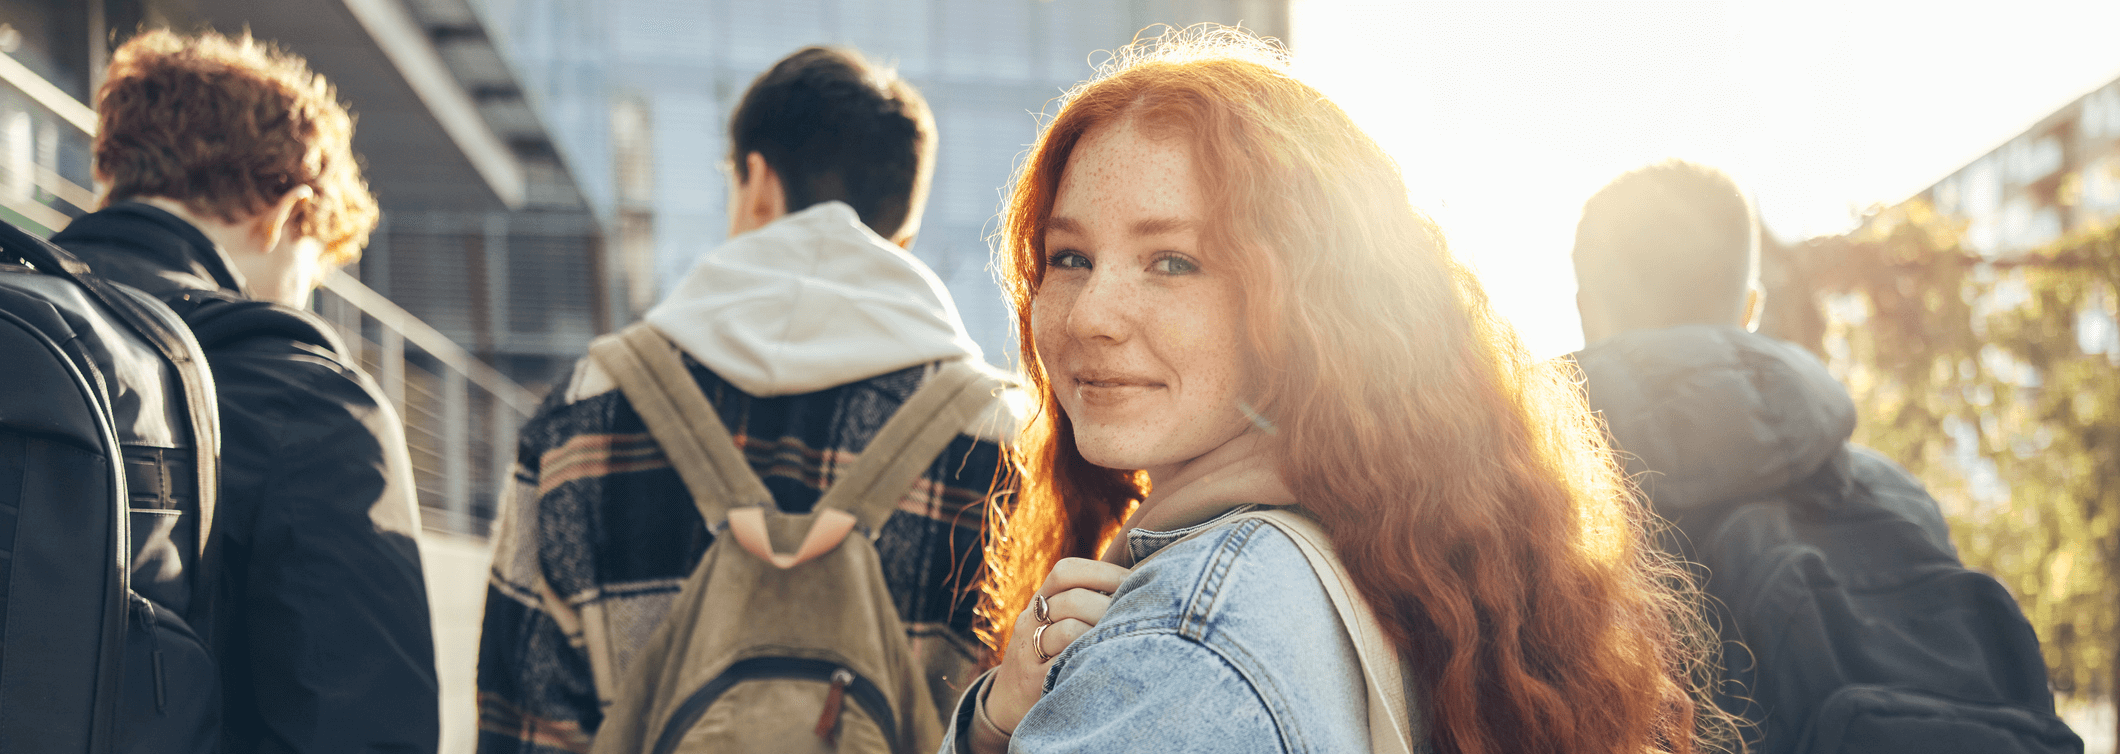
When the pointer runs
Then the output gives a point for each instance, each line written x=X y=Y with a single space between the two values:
x=1076 y=594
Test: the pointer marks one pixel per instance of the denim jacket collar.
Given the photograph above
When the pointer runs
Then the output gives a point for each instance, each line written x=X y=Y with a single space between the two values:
x=1142 y=543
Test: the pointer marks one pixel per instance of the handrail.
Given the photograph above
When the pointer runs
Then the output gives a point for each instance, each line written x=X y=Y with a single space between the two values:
x=51 y=219
x=68 y=109
x=50 y=180
x=431 y=340
x=59 y=102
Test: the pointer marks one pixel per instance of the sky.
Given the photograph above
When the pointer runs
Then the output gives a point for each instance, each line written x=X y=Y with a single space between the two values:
x=1506 y=116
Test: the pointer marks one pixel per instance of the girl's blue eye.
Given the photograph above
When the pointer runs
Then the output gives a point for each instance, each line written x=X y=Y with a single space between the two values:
x=1172 y=264
x=1068 y=259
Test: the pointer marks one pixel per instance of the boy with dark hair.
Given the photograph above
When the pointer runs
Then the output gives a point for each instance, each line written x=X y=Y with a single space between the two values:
x=1848 y=623
x=806 y=331
x=231 y=186
x=792 y=127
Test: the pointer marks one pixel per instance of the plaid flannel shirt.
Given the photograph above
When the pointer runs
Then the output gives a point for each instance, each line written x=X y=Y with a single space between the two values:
x=599 y=533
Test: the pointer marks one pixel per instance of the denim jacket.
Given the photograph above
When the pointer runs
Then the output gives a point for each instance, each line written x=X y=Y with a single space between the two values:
x=1226 y=642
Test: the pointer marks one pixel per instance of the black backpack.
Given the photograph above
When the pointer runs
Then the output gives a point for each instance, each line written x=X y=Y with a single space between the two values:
x=1849 y=624
x=109 y=458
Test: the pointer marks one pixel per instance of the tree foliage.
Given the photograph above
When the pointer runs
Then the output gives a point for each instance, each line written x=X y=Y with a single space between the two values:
x=1996 y=379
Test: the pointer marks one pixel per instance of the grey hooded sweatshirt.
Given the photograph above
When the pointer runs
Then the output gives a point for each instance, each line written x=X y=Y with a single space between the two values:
x=1706 y=414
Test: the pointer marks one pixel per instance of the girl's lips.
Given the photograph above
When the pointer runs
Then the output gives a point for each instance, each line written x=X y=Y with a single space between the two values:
x=1110 y=392
x=1110 y=379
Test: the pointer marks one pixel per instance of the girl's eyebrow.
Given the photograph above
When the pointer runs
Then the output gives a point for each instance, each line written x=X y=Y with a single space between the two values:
x=1157 y=226
x=1154 y=226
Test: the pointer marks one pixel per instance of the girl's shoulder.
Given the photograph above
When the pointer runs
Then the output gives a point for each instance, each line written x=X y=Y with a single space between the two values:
x=1236 y=601
x=1229 y=574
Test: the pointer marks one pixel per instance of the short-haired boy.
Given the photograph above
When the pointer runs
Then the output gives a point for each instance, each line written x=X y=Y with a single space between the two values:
x=806 y=330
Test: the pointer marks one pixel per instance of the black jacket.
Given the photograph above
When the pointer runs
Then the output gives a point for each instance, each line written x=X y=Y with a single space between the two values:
x=1861 y=629
x=321 y=628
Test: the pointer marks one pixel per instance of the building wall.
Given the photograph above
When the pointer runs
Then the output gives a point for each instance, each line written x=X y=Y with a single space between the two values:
x=661 y=79
x=44 y=159
x=53 y=39
x=2060 y=176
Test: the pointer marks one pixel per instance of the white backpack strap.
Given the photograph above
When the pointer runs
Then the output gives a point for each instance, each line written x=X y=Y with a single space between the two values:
x=1395 y=724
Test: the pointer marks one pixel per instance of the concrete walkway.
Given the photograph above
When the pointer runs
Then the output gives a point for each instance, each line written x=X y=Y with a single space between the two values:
x=456 y=569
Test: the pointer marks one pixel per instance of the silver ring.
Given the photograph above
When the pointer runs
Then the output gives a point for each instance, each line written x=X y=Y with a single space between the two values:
x=1042 y=610
x=1038 y=643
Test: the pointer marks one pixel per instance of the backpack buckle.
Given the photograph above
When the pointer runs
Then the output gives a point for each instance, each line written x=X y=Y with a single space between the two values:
x=828 y=527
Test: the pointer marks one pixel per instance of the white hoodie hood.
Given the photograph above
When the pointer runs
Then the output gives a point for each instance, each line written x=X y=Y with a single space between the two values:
x=810 y=301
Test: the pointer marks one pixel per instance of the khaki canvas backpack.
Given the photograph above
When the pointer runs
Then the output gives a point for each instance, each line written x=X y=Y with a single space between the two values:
x=784 y=639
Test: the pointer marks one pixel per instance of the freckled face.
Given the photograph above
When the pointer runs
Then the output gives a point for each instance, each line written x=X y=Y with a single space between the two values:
x=1135 y=324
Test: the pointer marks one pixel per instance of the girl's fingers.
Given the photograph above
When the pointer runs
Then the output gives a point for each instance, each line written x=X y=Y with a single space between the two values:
x=1082 y=573
x=1078 y=604
x=1077 y=593
x=1056 y=637
x=1020 y=679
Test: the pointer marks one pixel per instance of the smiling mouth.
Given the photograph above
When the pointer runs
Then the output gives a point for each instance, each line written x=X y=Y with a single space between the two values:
x=1111 y=392
x=1110 y=380
x=1112 y=383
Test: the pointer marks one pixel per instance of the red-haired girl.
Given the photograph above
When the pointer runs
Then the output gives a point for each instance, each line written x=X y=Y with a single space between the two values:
x=1225 y=301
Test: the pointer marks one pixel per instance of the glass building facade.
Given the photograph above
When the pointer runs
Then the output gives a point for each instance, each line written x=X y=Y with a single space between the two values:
x=645 y=88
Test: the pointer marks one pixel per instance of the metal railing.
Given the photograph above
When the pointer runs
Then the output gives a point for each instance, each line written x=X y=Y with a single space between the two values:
x=460 y=414
x=44 y=141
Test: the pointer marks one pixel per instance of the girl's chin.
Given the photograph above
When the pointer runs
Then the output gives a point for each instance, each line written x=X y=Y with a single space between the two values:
x=1104 y=450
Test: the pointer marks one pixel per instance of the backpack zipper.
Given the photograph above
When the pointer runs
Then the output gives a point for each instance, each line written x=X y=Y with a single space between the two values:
x=828 y=723
x=154 y=639
x=844 y=680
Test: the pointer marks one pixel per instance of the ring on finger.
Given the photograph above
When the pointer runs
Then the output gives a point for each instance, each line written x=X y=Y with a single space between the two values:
x=1038 y=642
x=1042 y=610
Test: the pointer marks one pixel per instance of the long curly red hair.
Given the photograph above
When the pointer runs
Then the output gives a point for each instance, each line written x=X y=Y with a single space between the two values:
x=1465 y=484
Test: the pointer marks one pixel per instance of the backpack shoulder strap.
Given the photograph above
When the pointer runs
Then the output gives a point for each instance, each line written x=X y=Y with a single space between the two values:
x=653 y=378
x=219 y=320
x=1392 y=720
x=175 y=343
x=907 y=444
x=1396 y=725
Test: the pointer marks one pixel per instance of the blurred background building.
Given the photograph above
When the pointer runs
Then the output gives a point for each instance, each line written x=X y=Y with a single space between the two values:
x=646 y=87
x=2060 y=176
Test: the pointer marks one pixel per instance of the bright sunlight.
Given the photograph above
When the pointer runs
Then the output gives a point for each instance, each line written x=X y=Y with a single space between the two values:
x=1505 y=117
